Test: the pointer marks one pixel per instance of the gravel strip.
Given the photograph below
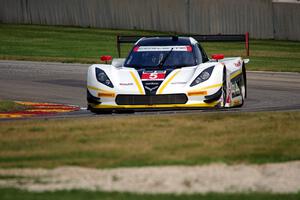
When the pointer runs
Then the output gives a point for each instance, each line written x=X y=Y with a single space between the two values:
x=272 y=178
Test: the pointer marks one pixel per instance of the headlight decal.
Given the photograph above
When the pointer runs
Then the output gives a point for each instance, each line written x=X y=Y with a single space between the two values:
x=203 y=76
x=103 y=78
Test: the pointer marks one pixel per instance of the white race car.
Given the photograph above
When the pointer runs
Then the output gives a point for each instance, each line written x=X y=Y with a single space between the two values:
x=166 y=73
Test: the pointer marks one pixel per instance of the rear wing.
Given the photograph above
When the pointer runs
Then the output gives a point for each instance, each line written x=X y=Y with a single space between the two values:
x=200 y=38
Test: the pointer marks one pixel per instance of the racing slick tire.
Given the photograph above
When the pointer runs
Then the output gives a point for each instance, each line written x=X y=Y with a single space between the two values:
x=124 y=111
x=99 y=111
x=243 y=87
x=245 y=80
x=224 y=88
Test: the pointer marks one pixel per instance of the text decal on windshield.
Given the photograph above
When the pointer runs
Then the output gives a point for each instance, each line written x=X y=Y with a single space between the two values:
x=162 y=48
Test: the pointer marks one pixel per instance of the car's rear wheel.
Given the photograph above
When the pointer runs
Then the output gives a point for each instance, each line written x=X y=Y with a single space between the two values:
x=242 y=84
x=243 y=91
x=245 y=81
x=224 y=88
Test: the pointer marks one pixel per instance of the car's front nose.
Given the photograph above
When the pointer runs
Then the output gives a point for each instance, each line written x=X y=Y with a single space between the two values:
x=130 y=92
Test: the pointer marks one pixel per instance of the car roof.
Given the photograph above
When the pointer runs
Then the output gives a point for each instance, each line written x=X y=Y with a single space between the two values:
x=164 y=41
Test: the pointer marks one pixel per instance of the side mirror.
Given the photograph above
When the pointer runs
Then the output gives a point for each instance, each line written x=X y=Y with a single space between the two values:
x=106 y=59
x=217 y=56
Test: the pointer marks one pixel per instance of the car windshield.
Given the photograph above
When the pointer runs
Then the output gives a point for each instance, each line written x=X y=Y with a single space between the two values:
x=160 y=57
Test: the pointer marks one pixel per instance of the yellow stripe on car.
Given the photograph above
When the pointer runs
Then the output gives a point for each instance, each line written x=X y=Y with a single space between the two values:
x=167 y=82
x=232 y=76
x=92 y=88
x=211 y=86
x=137 y=83
x=99 y=90
x=203 y=90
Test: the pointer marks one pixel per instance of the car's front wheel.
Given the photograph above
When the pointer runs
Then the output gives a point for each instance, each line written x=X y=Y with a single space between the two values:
x=99 y=111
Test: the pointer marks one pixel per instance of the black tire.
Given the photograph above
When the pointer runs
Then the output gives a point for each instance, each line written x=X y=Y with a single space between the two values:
x=245 y=80
x=100 y=111
x=224 y=87
x=125 y=111
x=243 y=83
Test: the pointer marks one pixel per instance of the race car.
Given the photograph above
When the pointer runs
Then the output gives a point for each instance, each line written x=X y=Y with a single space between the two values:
x=167 y=72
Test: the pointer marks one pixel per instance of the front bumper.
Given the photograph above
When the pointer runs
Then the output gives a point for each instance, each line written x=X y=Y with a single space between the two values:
x=188 y=104
x=165 y=106
x=112 y=101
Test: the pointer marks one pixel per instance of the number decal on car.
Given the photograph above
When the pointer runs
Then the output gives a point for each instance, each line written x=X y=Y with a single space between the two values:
x=156 y=75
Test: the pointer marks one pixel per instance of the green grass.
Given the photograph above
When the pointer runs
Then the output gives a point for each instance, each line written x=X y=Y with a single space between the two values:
x=110 y=142
x=265 y=55
x=85 y=45
x=8 y=194
x=57 y=43
x=10 y=177
x=10 y=106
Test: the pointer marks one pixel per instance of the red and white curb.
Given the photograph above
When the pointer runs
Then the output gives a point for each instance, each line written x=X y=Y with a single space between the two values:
x=39 y=109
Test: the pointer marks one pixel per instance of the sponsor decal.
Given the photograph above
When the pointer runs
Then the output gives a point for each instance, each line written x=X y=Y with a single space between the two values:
x=152 y=83
x=179 y=83
x=154 y=76
x=126 y=84
x=101 y=94
x=238 y=64
x=162 y=48
x=150 y=89
x=228 y=100
x=151 y=86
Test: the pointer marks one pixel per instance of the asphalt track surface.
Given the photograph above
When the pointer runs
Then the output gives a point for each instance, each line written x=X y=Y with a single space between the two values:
x=66 y=84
